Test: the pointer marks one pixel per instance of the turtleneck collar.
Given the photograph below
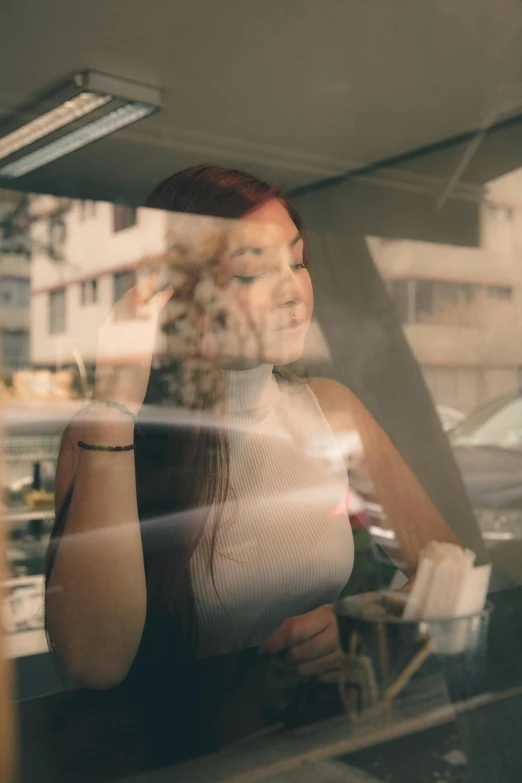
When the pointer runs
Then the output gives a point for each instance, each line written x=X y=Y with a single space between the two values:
x=248 y=390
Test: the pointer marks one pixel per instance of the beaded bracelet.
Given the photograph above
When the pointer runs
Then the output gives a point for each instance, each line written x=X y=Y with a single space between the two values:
x=90 y=447
x=124 y=410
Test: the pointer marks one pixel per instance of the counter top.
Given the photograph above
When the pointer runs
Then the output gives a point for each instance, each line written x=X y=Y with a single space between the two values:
x=84 y=737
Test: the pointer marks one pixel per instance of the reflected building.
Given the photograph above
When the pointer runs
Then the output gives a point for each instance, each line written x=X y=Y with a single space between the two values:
x=461 y=307
x=104 y=249
x=15 y=295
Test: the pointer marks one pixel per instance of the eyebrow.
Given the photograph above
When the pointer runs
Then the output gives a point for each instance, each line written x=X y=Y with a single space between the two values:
x=259 y=250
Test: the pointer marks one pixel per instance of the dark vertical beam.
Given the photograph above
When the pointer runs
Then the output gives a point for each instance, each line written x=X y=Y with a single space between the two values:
x=371 y=356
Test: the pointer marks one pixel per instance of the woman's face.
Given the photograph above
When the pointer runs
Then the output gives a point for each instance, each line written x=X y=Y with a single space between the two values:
x=269 y=291
x=257 y=306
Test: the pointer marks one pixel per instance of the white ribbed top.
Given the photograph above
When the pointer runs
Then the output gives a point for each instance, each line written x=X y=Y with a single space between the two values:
x=283 y=547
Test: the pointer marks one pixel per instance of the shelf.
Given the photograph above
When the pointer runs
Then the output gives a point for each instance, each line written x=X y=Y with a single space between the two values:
x=27 y=515
x=31 y=448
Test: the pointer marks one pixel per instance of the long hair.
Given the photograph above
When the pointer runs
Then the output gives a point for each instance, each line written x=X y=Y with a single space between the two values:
x=182 y=472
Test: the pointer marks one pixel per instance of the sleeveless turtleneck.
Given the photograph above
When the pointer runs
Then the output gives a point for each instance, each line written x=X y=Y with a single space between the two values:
x=283 y=546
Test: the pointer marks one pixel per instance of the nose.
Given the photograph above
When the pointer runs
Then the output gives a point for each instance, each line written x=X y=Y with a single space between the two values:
x=289 y=291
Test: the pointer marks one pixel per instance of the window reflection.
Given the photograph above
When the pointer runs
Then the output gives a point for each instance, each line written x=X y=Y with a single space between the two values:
x=461 y=307
x=461 y=317
x=75 y=277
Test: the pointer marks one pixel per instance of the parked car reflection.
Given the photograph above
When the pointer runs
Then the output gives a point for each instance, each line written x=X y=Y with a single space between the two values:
x=487 y=446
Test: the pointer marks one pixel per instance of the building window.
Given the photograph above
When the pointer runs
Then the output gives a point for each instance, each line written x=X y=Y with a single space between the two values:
x=500 y=212
x=16 y=292
x=458 y=387
x=123 y=217
x=86 y=209
x=16 y=348
x=122 y=282
x=437 y=302
x=400 y=291
x=15 y=236
x=57 y=237
x=500 y=292
x=57 y=311
x=89 y=291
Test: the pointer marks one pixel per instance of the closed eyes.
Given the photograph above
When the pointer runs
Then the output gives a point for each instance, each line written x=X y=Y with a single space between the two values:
x=249 y=279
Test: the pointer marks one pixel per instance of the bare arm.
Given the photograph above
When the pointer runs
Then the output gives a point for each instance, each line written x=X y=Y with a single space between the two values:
x=411 y=514
x=96 y=598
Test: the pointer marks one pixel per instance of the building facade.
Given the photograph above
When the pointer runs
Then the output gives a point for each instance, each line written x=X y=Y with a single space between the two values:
x=98 y=252
x=461 y=307
x=15 y=283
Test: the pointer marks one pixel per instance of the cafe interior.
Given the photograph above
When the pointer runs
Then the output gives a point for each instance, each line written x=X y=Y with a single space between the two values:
x=394 y=129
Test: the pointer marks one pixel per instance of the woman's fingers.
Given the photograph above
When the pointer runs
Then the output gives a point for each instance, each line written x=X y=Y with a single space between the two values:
x=326 y=665
x=329 y=679
x=296 y=630
x=164 y=292
x=319 y=646
x=137 y=303
x=310 y=642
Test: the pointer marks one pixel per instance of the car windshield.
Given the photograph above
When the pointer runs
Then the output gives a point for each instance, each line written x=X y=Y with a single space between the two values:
x=497 y=424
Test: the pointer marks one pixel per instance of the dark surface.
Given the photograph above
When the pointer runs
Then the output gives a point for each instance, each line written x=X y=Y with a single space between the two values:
x=35 y=676
x=488 y=740
x=419 y=758
x=87 y=737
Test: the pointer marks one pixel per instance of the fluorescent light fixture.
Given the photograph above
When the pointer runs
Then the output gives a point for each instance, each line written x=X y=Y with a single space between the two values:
x=91 y=106
x=117 y=119
x=51 y=121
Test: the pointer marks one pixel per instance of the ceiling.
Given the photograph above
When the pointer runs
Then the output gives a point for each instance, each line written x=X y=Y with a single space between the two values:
x=296 y=90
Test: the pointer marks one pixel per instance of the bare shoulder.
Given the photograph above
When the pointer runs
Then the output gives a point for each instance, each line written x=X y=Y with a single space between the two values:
x=336 y=400
x=330 y=392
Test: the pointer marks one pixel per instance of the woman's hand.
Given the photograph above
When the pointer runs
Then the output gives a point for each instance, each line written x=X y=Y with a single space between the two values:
x=126 y=343
x=310 y=642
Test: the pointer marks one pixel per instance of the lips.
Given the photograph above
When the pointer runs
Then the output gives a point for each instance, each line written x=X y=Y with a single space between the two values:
x=295 y=323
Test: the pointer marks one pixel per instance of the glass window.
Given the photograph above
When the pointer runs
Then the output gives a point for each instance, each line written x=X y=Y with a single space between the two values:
x=403 y=293
x=500 y=212
x=57 y=311
x=15 y=292
x=57 y=236
x=442 y=302
x=247 y=491
x=16 y=348
x=123 y=217
x=86 y=209
x=122 y=281
x=89 y=291
x=500 y=292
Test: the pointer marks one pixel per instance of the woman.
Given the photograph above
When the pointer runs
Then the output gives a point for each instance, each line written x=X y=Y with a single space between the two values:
x=206 y=540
